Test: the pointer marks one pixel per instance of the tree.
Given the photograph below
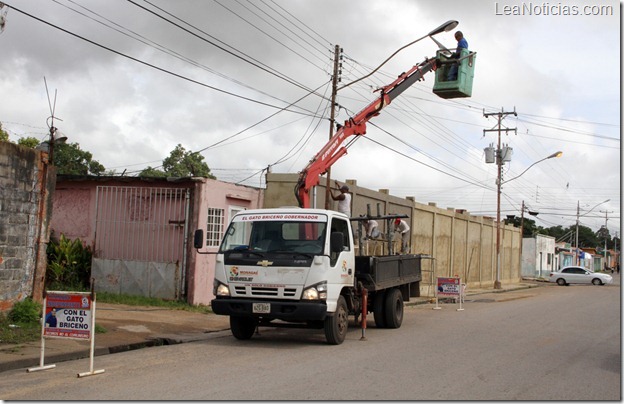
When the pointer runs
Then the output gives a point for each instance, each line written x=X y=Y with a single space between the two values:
x=529 y=229
x=586 y=237
x=4 y=135
x=29 y=141
x=180 y=163
x=153 y=172
x=70 y=159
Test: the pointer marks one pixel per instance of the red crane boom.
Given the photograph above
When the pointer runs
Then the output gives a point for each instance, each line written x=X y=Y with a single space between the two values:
x=355 y=126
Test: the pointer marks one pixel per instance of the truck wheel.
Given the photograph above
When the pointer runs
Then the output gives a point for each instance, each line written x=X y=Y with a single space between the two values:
x=378 y=309
x=394 y=308
x=336 y=326
x=243 y=327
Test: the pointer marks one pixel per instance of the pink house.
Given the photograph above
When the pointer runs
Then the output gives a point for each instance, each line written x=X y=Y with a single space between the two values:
x=141 y=230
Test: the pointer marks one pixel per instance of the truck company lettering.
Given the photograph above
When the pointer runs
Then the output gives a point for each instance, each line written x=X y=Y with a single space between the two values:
x=332 y=147
x=241 y=278
x=290 y=216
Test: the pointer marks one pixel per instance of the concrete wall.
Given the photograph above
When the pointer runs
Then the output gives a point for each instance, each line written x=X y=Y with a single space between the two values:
x=458 y=243
x=26 y=183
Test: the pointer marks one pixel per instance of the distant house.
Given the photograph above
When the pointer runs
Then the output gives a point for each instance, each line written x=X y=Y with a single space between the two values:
x=538 y=256
x=564 y=255
x=141 y=230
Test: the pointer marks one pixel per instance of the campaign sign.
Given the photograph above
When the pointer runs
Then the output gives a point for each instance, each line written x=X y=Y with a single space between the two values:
x=448 y=286
x=68 y=315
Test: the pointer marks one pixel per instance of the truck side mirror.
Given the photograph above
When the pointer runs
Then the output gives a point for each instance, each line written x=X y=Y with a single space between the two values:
x=198 y=240
x=336 y=242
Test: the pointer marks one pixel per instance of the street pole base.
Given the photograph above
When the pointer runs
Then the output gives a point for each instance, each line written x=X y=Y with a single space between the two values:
x=497 y=285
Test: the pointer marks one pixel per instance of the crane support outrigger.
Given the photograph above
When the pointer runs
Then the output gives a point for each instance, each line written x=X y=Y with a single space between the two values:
x=356 y=126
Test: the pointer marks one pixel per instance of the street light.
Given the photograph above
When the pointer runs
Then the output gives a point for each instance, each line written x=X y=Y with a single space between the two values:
x=578 y=215
x=554 y=155
x=447 y=26
x=497 y=282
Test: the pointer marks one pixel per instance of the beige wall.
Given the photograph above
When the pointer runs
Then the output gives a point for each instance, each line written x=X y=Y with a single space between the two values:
x=459 y=243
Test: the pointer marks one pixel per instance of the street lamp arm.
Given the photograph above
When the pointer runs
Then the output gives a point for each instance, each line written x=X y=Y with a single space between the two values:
x=447 y=26
x=589 y=211
x=557 y=154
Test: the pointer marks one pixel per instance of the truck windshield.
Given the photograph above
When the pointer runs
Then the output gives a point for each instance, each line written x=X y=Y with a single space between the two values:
x=275 y=236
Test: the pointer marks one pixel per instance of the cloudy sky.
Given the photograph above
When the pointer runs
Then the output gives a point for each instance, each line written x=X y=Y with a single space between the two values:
x=247 y=83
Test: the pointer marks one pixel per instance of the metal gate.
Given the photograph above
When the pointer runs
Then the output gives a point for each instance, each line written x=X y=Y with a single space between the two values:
x=140 y=240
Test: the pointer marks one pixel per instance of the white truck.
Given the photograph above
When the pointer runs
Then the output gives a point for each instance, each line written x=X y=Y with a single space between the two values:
x=293 y=267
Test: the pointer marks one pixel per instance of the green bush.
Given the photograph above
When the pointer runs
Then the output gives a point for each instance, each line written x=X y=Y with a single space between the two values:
x=24 y=312
x=69 y=264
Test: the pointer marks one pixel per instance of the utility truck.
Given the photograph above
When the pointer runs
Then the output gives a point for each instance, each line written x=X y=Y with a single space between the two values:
x=297 y=267
x=293 y=267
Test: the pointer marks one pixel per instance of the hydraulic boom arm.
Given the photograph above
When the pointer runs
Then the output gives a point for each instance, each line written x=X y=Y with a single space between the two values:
x=355 y=126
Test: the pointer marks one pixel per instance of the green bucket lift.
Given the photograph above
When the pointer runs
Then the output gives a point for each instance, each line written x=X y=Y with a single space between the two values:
x=462 y=87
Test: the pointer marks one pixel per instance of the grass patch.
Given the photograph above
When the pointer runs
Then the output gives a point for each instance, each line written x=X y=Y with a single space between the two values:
x=18 y=332
x=22 y=325
x=114 y=298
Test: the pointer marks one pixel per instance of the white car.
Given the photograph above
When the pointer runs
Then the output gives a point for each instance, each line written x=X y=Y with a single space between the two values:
x=575 y=274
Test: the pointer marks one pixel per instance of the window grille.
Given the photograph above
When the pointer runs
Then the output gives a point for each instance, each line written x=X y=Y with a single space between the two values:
x=214 y=227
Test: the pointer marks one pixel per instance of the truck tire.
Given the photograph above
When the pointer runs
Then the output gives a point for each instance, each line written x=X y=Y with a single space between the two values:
x=379 y=311
x=336 y=326
x=394 y=308
x=243 y=327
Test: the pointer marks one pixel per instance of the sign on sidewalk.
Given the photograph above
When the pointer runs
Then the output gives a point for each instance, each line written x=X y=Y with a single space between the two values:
x=68 y=315
x=450 y=287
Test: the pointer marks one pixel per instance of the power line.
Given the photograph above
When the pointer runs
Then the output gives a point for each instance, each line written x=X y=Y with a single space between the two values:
x=250 y=60
x=151 y=65
x=161 y=48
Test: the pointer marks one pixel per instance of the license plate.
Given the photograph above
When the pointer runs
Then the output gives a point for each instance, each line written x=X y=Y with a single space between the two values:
x=262 y=308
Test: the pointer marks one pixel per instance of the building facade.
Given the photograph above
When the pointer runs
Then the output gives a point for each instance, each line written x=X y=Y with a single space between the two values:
x=141 y=230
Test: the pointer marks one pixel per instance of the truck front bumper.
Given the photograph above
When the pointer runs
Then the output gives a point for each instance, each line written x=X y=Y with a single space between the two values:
x=282 y=310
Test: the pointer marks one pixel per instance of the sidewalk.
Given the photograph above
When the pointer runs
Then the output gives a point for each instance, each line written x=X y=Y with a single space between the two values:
x=135 y=327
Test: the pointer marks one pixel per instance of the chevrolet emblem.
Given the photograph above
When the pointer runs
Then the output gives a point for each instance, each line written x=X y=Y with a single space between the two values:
x=265 y=263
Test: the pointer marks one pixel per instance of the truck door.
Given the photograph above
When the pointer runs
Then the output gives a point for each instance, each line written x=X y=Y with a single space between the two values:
x=343 y=261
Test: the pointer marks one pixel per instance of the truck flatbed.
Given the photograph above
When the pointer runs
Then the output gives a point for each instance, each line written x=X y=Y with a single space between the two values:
x=383 y=272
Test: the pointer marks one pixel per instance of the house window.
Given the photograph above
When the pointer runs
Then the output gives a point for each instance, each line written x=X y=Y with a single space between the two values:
x=214 y=227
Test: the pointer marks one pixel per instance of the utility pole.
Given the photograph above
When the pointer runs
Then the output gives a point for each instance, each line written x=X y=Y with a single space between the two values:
x=576 y=252
x=606 y=233
x=335 y=81
x=502 y=156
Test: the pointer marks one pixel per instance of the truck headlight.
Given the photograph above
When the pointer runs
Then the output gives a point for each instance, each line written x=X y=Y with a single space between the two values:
x=221 y=289
x=316 y=292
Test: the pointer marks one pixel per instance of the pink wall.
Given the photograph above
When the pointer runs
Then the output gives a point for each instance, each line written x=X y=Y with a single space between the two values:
x=214 y=194
x=74 y=214
x=73 y=208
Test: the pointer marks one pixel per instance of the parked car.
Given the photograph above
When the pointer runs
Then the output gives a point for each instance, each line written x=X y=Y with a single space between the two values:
x=575 y=274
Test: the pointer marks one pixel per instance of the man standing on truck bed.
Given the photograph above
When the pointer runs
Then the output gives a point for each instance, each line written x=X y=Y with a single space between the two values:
x=344 y=199
x=402 y=227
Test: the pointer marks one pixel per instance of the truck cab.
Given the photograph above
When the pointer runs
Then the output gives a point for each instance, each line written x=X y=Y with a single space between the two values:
x=286 y=264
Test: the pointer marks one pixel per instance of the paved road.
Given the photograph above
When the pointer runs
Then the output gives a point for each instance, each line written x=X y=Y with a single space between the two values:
x=547 y=343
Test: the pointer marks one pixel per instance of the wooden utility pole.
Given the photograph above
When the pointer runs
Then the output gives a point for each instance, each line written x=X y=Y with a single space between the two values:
x=499 y=162
x=335 y=80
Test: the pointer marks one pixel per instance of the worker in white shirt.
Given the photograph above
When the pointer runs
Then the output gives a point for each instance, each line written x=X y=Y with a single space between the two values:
x=344 y=199
x=403 y=228
x=372 y=228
